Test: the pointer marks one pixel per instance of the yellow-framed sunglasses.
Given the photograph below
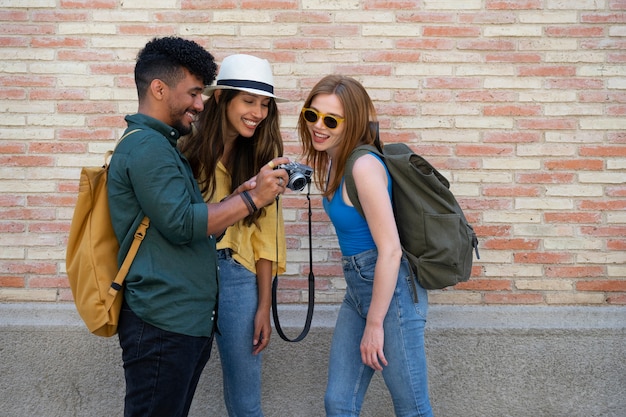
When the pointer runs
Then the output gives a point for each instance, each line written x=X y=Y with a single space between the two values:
x=330 y=121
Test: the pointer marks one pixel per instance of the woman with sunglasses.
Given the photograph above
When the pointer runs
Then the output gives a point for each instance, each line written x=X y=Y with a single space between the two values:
x=236 y=134
x=380 y=326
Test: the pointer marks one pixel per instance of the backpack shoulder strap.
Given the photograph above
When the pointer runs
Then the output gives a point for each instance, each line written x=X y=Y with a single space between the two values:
x=349 y=177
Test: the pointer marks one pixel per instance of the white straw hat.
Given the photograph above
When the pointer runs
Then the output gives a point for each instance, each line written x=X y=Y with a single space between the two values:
x=245 y=73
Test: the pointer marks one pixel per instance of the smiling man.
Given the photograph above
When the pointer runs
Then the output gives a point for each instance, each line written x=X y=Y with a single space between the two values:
x=169 y=311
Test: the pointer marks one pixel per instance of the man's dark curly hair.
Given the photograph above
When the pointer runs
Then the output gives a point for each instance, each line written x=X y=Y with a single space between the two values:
x=165 y=58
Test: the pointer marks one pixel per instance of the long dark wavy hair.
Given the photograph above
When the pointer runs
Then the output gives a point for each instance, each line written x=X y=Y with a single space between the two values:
x=205 y=146
x=358 y=110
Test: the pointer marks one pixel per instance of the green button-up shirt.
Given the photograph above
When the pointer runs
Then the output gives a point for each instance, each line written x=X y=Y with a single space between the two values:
x=172 y=283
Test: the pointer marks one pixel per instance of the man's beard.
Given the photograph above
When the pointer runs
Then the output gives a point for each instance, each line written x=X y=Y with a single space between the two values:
x=181 y=128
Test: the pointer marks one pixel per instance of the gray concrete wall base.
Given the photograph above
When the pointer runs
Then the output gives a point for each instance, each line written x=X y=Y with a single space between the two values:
x=483 y=361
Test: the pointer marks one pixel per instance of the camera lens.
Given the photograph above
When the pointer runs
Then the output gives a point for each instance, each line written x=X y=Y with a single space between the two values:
x=297 y=182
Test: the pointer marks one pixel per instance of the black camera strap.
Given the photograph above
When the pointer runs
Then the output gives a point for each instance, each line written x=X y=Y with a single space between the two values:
x=309 y=314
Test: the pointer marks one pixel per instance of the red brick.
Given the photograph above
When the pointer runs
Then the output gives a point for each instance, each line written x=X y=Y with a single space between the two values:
x=485 y=150
x=26 y=161
x=604 y=151
x=616 y=245
x=158 y=30
x=617 y=57
x=575 y=165
x=303 y=43
x=427 y=44
x=28 y=214
x=602 y=205
x=83 y=55
x=380 y=70
x=330 y=30
x=513 y=57
x=616 y=299
x=572 y=217
x=602 y=97
x=56 y=95
x=488 y=17
x=615 y=191
x=513 y=4
x=56 y=147
x=209 y=4
x=547 y=124
x=91 y=134
x=59 y=16
x=58 y=42
x=485 y=96
x=48 y=282
x=12 y=227
x=511 y=137
x=575 y=31
x=542 y=258
x=556 y=271
x=25 y=267
x=87 y=107
x=486 y=45
x=423 y=17
x=8 y=15
x=543 y=178
x=302 y=17
x=28 y=81
x=12 y=200
x=510 y=244
x=603 y=17
x=12 y=281
x=512 y=110
x=547 y=71
x=27 y=29
x=269 y=4
x=451 y=82
x=12 y=148
x=574 y=84
x=88 y=4
x=513 y=298
x=491 y=230
x=484 y=285
x=604 y=285
x=606 y=231
x=389 y=57
x=511 y=191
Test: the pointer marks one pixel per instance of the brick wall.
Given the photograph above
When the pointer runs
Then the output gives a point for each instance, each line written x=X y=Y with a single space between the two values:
x=521 y=104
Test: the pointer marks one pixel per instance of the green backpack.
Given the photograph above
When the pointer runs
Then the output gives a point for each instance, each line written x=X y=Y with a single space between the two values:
x=436 y=238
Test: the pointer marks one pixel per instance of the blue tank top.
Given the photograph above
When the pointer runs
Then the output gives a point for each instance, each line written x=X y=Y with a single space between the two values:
x=352 y=230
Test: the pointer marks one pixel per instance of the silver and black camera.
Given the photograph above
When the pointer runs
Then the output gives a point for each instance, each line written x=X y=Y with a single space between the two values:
x=299 y=175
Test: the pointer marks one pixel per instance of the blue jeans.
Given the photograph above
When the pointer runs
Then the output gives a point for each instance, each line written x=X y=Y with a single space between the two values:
x=406 y=374
x=162 y=368
x=237 y=306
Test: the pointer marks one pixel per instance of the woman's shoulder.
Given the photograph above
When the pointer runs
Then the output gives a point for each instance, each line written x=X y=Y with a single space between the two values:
x=367 y=163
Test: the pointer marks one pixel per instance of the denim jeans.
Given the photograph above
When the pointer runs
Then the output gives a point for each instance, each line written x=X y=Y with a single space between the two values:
x=237 y=306
x=406 y=374
x=162 y=368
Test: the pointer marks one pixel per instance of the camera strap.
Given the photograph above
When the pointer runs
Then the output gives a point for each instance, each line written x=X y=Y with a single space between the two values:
x=309 y=314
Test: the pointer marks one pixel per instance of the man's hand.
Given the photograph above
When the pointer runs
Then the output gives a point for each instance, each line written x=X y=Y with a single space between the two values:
x=269 y=182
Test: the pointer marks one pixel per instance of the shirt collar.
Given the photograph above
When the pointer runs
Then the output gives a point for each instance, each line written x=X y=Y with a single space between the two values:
x=141 y=119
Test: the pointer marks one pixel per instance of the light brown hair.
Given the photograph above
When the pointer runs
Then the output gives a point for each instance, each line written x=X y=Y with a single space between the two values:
x=358 y=113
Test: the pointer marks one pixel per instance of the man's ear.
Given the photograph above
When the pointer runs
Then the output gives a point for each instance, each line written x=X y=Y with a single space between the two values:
x=157 y=88
x=217 y=94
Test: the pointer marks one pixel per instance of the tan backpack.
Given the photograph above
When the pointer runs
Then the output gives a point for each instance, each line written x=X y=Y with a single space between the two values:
x=91 y=257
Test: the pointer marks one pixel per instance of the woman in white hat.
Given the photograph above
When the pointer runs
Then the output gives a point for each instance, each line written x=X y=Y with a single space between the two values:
x=236 y=134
